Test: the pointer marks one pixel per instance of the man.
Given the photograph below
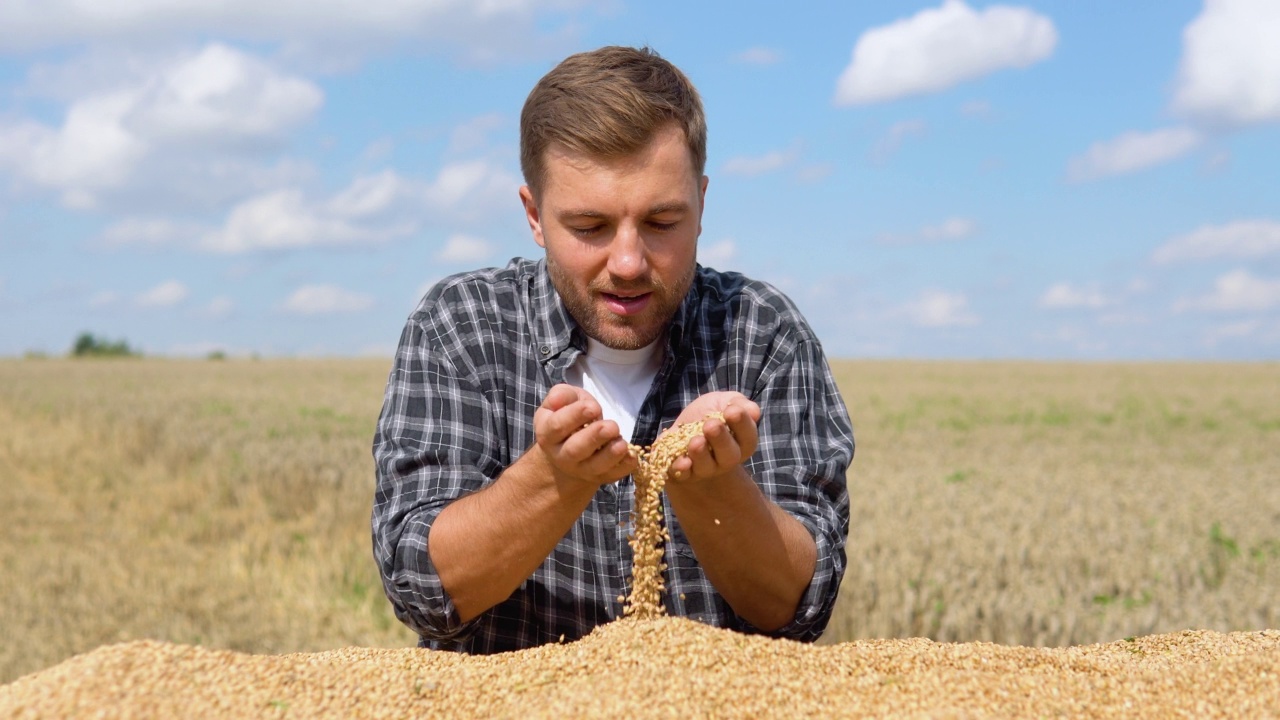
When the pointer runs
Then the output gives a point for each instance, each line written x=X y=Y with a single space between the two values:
x=504 y=493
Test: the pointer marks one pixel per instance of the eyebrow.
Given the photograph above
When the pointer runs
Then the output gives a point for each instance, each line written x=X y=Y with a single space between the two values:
x=673 y=206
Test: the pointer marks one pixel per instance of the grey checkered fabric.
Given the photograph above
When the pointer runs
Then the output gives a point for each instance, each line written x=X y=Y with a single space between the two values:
x=475 y=360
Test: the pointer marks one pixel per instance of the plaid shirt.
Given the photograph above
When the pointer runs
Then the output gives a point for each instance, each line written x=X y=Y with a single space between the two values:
x=475 y=360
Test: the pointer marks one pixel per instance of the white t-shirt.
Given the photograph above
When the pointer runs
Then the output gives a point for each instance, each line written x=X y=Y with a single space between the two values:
x=618 y=379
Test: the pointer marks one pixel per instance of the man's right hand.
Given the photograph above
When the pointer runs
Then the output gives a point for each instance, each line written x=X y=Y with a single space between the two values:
x=488 y=542
x=579 y=444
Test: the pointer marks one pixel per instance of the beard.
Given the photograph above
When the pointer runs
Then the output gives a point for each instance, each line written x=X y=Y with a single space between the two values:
x=621 y=332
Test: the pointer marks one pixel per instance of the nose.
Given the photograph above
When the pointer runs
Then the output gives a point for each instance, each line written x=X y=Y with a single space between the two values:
x=627 y=259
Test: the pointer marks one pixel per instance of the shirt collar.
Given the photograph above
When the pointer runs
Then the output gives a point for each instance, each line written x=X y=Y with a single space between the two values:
x=686 y=315
x=555 y=330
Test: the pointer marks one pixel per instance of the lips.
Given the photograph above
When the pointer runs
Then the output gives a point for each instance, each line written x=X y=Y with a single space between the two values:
x=626 y=304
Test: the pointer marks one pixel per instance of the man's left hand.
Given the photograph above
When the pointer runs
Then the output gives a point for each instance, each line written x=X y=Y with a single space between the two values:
x=723 y=445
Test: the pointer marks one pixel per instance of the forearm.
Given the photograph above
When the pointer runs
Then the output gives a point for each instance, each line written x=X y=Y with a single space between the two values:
x=759 y=557
x=485 y=544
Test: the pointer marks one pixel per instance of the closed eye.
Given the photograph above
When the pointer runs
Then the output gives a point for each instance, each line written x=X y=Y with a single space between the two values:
x=586 y=232
x=663 y=226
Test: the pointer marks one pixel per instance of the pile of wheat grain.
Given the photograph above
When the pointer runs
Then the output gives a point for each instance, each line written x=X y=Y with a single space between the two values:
x=673 y=667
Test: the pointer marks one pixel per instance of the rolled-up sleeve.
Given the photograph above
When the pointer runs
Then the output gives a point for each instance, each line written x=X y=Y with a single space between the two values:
x=430 y=448
x=805 y=449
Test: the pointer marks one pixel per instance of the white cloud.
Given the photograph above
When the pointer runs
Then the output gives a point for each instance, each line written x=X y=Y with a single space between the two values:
x=371 y=209
x=1118 y=319
x=941 y=47
x=474 y=133
x=91 y=151
x=951 y=229
x=377 y=151
x=1064 y=296
x=1229 y=74
x=955 y=228
x=365 y=212
x=718 y=255
x=1218 y=161
x=326 y=300
x=814 y=173
x=473 y=189
x=751 y=166
x=892 y=140
x=281 y=220
x=369 y=196
x=938 y=308
x=1233 y=331
x=465 y=249
x=1131 y=152
x=1240 y=240
x=219 y=308
x=203 y=104
x=1234 y=292
x=474 y=31
x=106 y=298
x=223 y=96
x=758 y=56
x=170 y=292
x=149 y=231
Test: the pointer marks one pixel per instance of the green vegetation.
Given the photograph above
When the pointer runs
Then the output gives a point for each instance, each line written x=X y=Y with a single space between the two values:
x=89 y=345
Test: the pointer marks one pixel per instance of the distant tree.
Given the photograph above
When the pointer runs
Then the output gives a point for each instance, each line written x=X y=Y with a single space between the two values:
x=89 y=345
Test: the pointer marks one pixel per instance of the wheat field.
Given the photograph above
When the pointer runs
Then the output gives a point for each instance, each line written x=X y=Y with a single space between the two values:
x=226 y=504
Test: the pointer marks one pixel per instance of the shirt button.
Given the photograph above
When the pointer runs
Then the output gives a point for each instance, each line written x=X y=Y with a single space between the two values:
x=545 y=350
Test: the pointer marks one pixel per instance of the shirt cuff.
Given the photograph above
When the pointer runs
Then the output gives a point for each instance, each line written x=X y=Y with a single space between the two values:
x=416 y=593
x=815 y=606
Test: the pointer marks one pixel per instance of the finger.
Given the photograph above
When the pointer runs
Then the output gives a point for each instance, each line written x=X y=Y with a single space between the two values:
x=681 y=468
x=702 y=462
x=740 y=408
x=724 y=447
x=555 y=428
x=560 y=396
x=745 y=432
x=587 y=441
x=750 y=406
x=612 y=461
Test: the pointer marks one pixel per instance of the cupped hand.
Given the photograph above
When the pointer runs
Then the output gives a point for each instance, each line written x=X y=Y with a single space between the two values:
x=580 y=445
x=723 y=445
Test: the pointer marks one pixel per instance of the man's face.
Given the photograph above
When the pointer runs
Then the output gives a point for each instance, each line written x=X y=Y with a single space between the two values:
x=621 y=236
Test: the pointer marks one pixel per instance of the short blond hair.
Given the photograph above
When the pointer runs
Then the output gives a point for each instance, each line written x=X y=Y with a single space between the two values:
x=608 y=103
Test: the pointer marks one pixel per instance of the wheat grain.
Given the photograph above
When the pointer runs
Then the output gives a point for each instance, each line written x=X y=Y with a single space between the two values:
x=672 y=667
x=648 y=534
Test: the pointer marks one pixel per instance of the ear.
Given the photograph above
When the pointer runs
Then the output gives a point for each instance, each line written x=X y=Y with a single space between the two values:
x=702 y=201
x=532 y=215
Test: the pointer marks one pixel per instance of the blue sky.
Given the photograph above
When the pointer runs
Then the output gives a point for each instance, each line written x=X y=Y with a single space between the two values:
x=1076 y=180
